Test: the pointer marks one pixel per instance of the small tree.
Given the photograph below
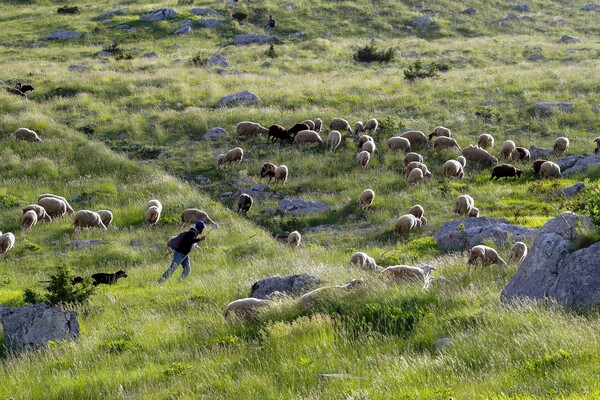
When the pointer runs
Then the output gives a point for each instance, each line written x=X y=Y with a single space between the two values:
x=369 y=53
x=62 y=289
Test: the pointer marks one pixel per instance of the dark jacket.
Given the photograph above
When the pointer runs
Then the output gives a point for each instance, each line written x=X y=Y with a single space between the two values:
x=188 y=240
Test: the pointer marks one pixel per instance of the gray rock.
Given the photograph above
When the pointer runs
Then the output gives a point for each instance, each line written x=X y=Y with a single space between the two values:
x=521 y=7
x=422 y=21
x=505 y=22
x=107 y=21
x=569 y=39
x=217 y=60
x=511 y=17
x=463 y=234
x=240 y=98
x=77 y=67
x=82 y=244
x=215 y=133
x=301 y=207
x=210 y=23
x=184 y=22
x=246 y=39
x=575 y=164
x=297 y=35
x=203 y=180
x=151 y=54
x=259 y=187
x=203 y=11
x=37 y=44
x=291 y=285
x=113 y=13
x=470 y=11
x=411 y=54
x=177 y=46
x=552 y=270
x=574 y=189
x=130 y=30
x=33 y=326
x=104 y=54
x=536 y=48
x=64 y=34
x=184 y=30
x=122 y=136
x=547 y=107
x=591 y=7
x=226 y=194
x=536 y=152
x=122 y=27
x=159 y=15
x=537 y=57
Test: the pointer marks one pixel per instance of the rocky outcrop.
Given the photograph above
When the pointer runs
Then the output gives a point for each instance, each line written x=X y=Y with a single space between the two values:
x=554 y=270
x=215 y=133
x=291 y=285
x=64 y=34
x=292 y=206
x=159 y=15
x=246 y=39
x=244 y=98
x=575 y=164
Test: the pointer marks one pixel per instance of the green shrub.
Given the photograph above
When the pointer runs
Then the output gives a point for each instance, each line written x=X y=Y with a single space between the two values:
x=369 y=53
x=419 y=70
x=61 y=289
x=68 y=10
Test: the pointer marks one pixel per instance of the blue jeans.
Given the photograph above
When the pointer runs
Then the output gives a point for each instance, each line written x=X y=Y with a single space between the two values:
x=178 y=258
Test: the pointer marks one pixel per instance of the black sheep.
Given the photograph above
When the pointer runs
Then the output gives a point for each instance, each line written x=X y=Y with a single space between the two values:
x=24 y=88
x=293 y=131
x=16 y=92
x=537 y=164
x=278 y=132
x=504 y=171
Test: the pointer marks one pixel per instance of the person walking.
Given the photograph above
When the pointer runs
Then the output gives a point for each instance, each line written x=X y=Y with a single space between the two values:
x=182 y=246
x=270 y=24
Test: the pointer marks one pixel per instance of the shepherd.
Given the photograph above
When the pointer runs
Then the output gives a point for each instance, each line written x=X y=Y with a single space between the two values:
x=270 y=24
x=182 y=245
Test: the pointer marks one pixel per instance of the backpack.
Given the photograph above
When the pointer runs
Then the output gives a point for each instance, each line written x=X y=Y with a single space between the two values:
x=175 y=241
x=271 y=23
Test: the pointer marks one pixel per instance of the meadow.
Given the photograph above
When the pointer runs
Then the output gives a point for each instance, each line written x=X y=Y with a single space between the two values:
x=127 y=129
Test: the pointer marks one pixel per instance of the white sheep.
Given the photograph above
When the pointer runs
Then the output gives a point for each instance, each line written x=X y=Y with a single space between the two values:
x=362 y=140
x=484 y=255
x=308 y=136
x=440 y=131
x=550 y=170
x=27 y=135
x=294 y=239
x=333 y=140
x=358 y=128
x=69 y=208
x=485 y=140
x=311 y=298
x=462 y=161
x=235 y=155
x=418 y=165
x=193 y=215
x=371 y=125
x=597 y=149
x=310 y=123
x=248 y=128
x=464 y=204
x=453 y=168
x=443 y=142
x=415 y=177
x=281 y=174
x=398 y=143
x=318 y=124
x=7 y=242
x=340 y=124
x=39 y=210
x=366 y=199
x=28 y=220
x=364 y=261
x=245 y=308
x=507 y=148
x=473 y=212
x=479 y=155
x=417 y=210
x=87 y=218
x=415 y=138
x=518 y=252
x=106 y=216
x=520 y=154
x=55 y=208
x=154 y=203
x=152 y=215
x=410 y=157
x=370 y=147
x=406 y=223
x=561 y=145
x=409 y=273
x=363 y=159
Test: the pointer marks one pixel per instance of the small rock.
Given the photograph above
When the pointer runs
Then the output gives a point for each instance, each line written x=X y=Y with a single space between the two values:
x=217 y=60
x=411 y=54
x=422 y=21
x=511 y=17
x=64 y=34
x=185 y=30
x=215 y=133
x=184 y=22
x=470 y=11
x=447 y=52
x=107 y=21
x=575 y=164
x=76 y=67
x=246 y=39
x=536 y=48
x=81 y=244
x=536 y=153
x=547 y=107
x=130 y=30
x=505 y=22
x=159 y=15
x=177 y=46
x=569 y=39
x=521 y=7
x=203 y=11
x=113 y=13
x=591 y=7
x=292 y=206
x=122 y=27
x=210 y=23
x=297 y=35
x=151 y=54
x=203 y=180
x=574 y=189
x=537 y=57
x=240 y=98
x=259 y=187
x=226 y=194
x=104 y=54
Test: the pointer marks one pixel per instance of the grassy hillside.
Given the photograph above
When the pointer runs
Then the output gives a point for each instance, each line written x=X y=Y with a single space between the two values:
x=128 y=129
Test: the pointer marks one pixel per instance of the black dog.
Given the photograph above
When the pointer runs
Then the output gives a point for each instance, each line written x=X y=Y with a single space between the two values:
x=102 y=278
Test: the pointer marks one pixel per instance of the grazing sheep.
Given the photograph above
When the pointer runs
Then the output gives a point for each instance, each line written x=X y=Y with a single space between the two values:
x=440 y=131
x=417 y=210
x=362 y=260
x=24 y=88
x=443 y=142
x=453 y=168
x=479 y=155
x=311 y=298
x=69 y=208
x=561 y=145
x=370 y=147
x=294 y=239
x=39 y=210
x=235 y=155
x=406 y=223
x=518 y=252
x=505 y=171
x=281 y=174
x=398 y=143
x=473 y=212
x=550 y=170
x=152 y=215
x=27 y=135
x=366 y=199
x=463 y=204
x=28 y=220
x=597 y=149
x=244 y=202
x=485 y=141
x=55 y=208
x=87 y=218
x=268 y=169
x=418 y=165
x=363 y=159
x=318 y=124
x=308 y=137
x=310 y=123
x=340 y=124
x=248 y=128
x=16 y=92
x=362 y=140
x=7 y=242
x=415 y=177
x=507 y=148
x=371 y=125
x=410 y=157
x=333 y=140
x=416 y=138
x=537 y=164
x=293 y=131
x=245 y=309
x=358 y=128
x=410 y=273
x=106 y=216
x=278 y=132
x=486 y=255
x=521 y=154
x=154 y=203
x=462 y=161
x=193 y=215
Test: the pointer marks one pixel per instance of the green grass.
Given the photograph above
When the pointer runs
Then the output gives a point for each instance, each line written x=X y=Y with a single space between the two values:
x=125 y=131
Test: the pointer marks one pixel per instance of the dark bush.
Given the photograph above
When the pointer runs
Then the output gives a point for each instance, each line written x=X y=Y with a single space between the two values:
x=68 y=10
x=418 y=70
x=239 y=16
x=369 y=53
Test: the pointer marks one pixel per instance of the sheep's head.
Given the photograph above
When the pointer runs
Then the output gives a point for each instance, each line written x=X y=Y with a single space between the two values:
x=427 y=269
x=519 y=173
x=354 y=283
x=220 y=159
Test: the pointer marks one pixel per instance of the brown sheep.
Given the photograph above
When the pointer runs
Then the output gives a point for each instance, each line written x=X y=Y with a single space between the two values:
x=244 y=202
x=537 y=164
x=87 y=218
x=55 y=208
x=416 y=138
x=485 y=141
x=484 y=255
x=443 y=142
x=505 y=171
x=561 y=145
x=340 y=124
x=366 y=199
x=406 y=223
x=440 y=131
x=39 y=210
x=479 y=155
x=28 y=220
x=410 y=157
